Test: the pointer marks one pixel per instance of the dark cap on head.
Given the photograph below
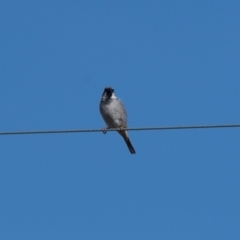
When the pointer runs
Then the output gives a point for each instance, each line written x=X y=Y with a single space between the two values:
x=107 y=93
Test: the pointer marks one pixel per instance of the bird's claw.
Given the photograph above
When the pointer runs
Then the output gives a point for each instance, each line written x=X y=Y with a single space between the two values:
x=104 y=130
x=121 y=129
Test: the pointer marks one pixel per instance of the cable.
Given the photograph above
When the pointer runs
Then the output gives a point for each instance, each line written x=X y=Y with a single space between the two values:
x=116 y=129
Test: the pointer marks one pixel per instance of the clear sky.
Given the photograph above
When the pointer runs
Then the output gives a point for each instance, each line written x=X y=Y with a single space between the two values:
x=172 y=63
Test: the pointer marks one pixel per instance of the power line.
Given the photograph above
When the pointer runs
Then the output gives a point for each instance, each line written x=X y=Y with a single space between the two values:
x=115 y=129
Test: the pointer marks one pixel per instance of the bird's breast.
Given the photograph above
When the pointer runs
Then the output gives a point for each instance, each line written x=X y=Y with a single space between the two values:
x=113 y=114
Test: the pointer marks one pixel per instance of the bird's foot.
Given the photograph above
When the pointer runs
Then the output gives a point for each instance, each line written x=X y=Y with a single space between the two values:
x=104 y=130
x=121 y=129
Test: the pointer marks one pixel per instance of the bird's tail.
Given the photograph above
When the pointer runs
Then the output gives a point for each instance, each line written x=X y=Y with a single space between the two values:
x=130 y=146
x=126 y=138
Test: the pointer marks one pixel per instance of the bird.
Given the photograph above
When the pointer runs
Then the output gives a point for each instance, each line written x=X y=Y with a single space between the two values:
x=115 y=115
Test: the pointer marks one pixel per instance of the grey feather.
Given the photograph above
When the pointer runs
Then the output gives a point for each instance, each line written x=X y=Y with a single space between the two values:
x=115 y=115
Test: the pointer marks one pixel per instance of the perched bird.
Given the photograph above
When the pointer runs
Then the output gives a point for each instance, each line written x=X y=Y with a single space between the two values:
x=115 y=115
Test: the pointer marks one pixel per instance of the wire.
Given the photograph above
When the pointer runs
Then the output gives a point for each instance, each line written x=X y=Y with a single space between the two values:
x=116 y=129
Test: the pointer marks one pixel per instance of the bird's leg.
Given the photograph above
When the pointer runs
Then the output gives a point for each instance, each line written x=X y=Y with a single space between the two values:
x=104 y=130
x=121 y=129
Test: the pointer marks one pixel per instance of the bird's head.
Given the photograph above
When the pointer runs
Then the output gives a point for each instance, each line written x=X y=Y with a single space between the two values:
x=108 y=93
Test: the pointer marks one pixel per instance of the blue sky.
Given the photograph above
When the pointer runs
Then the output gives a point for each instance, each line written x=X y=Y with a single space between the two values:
x=171 y=63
